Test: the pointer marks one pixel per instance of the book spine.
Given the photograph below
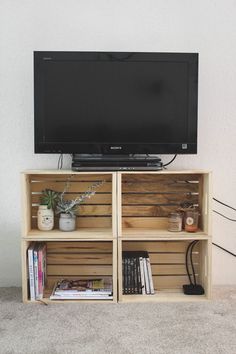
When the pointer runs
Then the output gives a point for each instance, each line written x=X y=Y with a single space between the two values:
x=135 y=276
x=139 y=284
x=132 y=275
x=142 y=275
x=123 y=275
x=147 y=286
x=126 y=277
x=44 y=265
x=150 y=275
x=36 y=273
x=31 y=273
x=40 y=272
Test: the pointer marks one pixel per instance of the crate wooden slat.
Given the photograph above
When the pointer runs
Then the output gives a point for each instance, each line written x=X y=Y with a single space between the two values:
x=74 y=187
x=81 y=247
x=97 y=199
x=173 y=247
x=86 y=210
x=158 y=199
x=78 y=258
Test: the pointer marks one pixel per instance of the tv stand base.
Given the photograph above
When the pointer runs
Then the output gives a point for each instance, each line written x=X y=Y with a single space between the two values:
x=99 y=162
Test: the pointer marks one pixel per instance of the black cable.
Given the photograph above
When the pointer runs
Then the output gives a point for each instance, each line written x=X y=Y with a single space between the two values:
x=226 y=217
x=224 y=249
x=60 y=162
x=191 y=259
x=168 y=163
x=186 y=261
x=220 y=202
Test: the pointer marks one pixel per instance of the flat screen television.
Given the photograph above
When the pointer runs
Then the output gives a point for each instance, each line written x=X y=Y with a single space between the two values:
x=115 y=102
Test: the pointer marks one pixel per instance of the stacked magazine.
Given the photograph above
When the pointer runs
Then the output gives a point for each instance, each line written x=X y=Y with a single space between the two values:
x=37 y=269
x=88 y=289
x=137 y=273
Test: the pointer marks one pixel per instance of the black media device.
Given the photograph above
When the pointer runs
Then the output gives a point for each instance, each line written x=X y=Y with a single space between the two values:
x=115 y=110
x=192 y=288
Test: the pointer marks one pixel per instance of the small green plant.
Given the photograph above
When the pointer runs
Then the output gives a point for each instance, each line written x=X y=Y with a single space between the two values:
x=71 y=206
x=49 y=198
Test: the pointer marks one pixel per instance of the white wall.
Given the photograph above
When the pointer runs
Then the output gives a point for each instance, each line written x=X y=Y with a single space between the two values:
x=204 y=26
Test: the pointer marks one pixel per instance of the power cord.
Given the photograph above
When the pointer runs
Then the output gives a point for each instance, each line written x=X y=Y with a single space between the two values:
x=226 y=217
x=168 y=163
x=60 y=162
x=220 y=202
x=224 y=249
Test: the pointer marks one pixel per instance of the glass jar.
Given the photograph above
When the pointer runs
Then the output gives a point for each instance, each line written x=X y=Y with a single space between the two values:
x=67 y=222
x=45 y=218
x=175 y=222
x=191 y=221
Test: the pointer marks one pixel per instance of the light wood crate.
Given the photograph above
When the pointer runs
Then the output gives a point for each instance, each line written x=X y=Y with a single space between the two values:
x=169 y=274
x=96 y=216
x=83 y=259
x=129 y=212
x=145 y=200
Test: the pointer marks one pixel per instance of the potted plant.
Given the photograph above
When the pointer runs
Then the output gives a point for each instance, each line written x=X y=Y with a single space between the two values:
x=68 y=208
x=46 y=209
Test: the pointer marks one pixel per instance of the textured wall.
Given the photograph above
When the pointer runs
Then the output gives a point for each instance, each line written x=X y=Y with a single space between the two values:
x=204 y=26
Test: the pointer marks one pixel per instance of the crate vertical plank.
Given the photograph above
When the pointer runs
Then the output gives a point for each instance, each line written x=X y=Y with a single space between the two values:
x=114 y=266
x=114 y=205
x=205 y=264
x=207 y=203
x=119 y=204
x=24 y=269
x=120 y=273
x=25 y=204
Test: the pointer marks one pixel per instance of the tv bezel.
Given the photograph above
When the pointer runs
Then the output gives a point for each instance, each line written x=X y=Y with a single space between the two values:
x=113 y=148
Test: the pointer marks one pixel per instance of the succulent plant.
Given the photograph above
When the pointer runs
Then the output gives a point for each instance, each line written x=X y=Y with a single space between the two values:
x=71 y=206
x=49 y=198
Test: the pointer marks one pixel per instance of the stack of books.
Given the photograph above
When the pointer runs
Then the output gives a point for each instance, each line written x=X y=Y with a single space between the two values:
x=137 y=273
x=88 y=289
x=37 y=269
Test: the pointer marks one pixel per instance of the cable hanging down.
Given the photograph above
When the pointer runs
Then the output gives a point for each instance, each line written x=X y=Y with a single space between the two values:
x=220 y=202
x=168 y=163
x=60 y=162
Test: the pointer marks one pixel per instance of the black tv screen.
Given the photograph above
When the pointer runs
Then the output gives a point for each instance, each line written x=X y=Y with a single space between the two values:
x=126 y=103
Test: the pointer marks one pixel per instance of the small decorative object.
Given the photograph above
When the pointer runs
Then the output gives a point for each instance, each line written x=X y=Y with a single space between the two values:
x=45 y=212
x=175 y=222
x=191 y=220
x=45 y=218
x=67 y=222
x=68 y=208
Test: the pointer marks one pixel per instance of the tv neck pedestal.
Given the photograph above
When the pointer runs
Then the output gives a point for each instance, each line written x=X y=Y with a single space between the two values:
x=100 y=162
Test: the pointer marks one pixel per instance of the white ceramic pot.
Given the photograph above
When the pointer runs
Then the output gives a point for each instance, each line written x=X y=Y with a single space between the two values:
x=45 y=218
x=67 y=222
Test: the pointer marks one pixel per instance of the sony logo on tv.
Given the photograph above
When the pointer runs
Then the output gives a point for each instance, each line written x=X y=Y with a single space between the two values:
x=116 y=147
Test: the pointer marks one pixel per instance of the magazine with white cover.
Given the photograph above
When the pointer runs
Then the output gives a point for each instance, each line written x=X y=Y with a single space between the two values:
x=142 y=275
x=147 y=285
x=150 y=275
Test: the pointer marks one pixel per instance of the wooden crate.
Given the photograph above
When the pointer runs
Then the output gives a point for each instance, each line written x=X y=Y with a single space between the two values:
x=168 y=268
x=145 y=199
x=75 y=260
x=95 y=214
x=133 y=206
